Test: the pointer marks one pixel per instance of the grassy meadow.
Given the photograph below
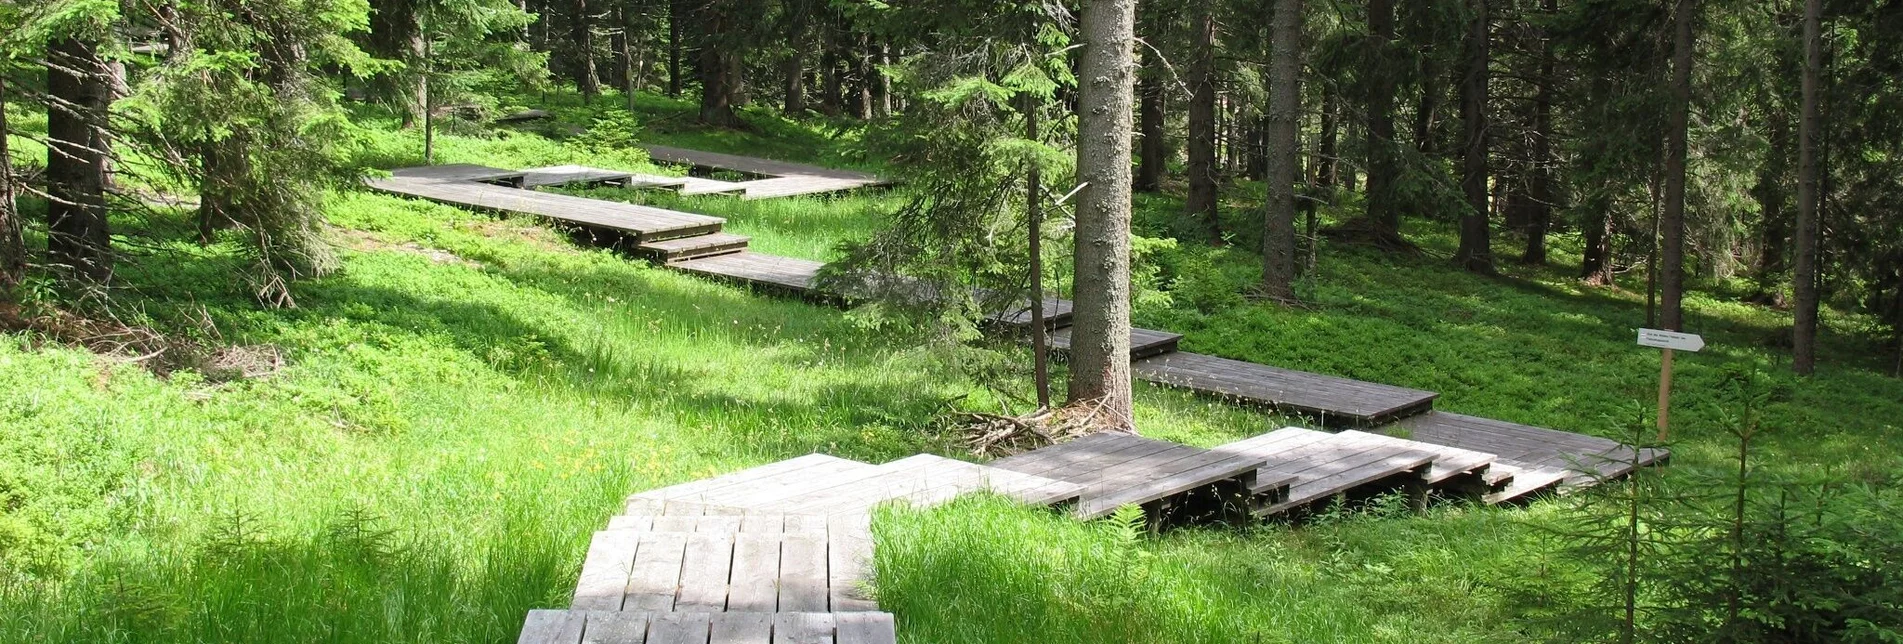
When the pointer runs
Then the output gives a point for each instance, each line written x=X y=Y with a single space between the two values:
x=459 y=408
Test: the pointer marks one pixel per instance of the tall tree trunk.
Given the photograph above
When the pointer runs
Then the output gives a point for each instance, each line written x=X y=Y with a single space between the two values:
x=1476 y=240
x=1542 y=195
x=1428 y=109
x=881 y=84
x=1382 y=212
x=676 y=12
x=78 y=238
x=1034 y=216
x=582 y=37
x=1201 y=202
x=862 y=72
x=1596 y=265
x=1100 y=340
x=1327 y=157
x=1153 y=156
x=793 y=69
x=12 y=244
x=538 y=30
x=622 y=69
x=1774 y=229
x=720 y=65
x=1809 y=139
x=1677 y=129
x=832 y=83
x=395 y=34
x=1283 y=148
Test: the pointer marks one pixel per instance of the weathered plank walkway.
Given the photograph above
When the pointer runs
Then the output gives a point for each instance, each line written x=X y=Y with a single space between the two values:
x=641 y=223
x=1121 y=469
x=1585 y=458
x=780 y=178
x=779 y=553
x=1332 y=400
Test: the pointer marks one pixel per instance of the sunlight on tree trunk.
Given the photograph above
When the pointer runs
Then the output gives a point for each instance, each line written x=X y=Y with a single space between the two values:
x=1100 y=340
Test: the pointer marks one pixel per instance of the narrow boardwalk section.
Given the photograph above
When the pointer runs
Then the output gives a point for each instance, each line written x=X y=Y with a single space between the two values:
x=1332 y=400
x=780 y=178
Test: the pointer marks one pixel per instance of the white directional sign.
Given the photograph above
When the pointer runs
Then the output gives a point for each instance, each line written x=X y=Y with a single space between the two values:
x=1670 y=340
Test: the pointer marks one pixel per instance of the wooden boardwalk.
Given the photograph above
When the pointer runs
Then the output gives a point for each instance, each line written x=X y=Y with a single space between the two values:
x=779 y=553
x=778 y=178
x=1586 y=459
x=640 y=223
x=1330 y=399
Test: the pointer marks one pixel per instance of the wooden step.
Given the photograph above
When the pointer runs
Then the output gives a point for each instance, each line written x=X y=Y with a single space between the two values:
x=735 y=567
x=1327 y=465
x=772 y=271
x=1587 y=458
x=1144 y=343
x=1523 y=480
x=707 y=493
x=1057 y=314
x=1449 y=462
x=641 y=627
x=1117 y=469
x=699 y=186
x=1332 y=400
x=461 y=172
x=685 y=248
x=562 y=175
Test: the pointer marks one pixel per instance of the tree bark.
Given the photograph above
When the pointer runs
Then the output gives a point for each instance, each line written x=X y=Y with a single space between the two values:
x=1809 y=139
x=1774 y=227
x=12 y=244
x=793 y=69
x=1428 y=109
x=1034 y=222
x=1381 y=209
x=720 y=66
x=1327 y=156
x=675 y=9
x=78 y=238
x=582 y=37
x=1542 y=197
x=881 y=84
x=1283 y=149
x=1153 y=156
x=1201 y=201
x=395 y=34
x=1100 y=341
x=1677 y=129
x=1476 y=240
x=862 y=72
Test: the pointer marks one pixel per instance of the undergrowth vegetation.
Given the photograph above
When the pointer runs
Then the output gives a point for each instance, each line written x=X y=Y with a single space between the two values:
x=471 y=396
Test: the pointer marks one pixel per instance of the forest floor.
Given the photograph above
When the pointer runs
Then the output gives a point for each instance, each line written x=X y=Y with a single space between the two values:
x=462 y=405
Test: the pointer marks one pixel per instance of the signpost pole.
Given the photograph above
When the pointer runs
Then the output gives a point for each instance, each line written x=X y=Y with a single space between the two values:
x=1665 y=391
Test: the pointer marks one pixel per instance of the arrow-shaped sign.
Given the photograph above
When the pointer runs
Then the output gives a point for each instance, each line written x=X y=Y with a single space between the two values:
x=1670 y=340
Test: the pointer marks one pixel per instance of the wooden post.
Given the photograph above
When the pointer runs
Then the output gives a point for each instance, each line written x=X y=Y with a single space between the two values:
x=1665 y=391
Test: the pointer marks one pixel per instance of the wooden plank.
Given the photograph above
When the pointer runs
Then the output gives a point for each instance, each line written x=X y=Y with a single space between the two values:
x=682 y=248
x=849 y=557
x=675 y=523
x=679 y=628
x=552 y=627
x=1448 y=461
x=803 y=574
x=1527 y=480
x=616 y=627
x=644 y=223
x=704 y=572
x=754 y=583
x=803 y=628
x=1143 y=342
x=1192 y=473
x=458 y=172
x=741 y=628
x=772 y=474
x=639 y=522
x=1327 y=396
x=751 y=165
x=605 y=570
x=657 y=572
x=746 y=266
x=571 y=174
x=864 y=628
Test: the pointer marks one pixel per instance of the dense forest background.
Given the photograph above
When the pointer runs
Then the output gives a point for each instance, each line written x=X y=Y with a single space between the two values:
x=1691 y=142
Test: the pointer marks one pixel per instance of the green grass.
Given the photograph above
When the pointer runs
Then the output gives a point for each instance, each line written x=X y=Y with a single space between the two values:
x=471 y=397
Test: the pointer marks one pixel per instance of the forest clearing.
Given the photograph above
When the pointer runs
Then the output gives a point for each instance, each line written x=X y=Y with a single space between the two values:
x=747 y=321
